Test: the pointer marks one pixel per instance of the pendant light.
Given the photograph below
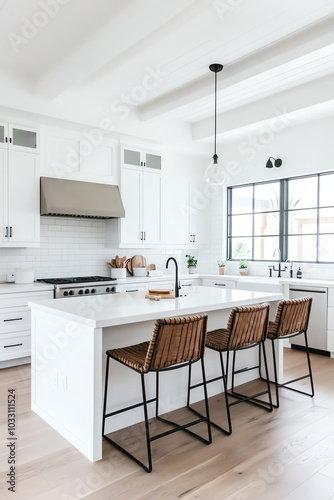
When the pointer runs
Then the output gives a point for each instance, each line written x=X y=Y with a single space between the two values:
x=214 y=174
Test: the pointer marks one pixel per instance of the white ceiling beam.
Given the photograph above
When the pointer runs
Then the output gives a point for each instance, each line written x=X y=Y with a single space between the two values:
x=289 y=48
x=270 y=108
x=104 y=46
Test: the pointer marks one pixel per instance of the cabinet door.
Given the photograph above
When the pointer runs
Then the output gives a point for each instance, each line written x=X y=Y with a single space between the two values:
x=23 y=139
x=131 y=226
x=23 y=198
x=131 y=157
x=3 y=135
x=3 y=197
x=151 y=203
x=176 y=212
x=152 y=160
x=200 y=221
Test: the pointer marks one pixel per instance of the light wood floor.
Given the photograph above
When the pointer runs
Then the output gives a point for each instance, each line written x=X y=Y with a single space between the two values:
x=287 y=454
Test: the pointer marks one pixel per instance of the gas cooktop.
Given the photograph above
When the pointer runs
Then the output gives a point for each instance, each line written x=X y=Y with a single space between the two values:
x=80 y=279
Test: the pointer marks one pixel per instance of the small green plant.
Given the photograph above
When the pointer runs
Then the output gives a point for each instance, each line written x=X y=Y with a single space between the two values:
x=243 y=264
x=221 y=263
x=191 y=261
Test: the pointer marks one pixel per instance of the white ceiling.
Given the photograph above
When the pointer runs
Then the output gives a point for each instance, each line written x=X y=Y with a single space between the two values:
x=152 y=56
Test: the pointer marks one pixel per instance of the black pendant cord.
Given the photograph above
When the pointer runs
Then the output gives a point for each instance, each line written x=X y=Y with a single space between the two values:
x=216 y=67
x=215 y=153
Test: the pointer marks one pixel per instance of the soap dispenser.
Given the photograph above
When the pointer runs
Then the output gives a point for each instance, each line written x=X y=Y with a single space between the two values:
x=299 y=273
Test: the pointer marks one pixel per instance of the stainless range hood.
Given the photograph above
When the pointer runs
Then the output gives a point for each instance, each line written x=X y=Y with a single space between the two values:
x=65 y=198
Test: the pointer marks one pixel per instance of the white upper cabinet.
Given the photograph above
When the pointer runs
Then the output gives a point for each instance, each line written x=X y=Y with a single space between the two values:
x=19 y=199
x=187 y=214
x=141 y=192
x=17 y=138
x=86 y=155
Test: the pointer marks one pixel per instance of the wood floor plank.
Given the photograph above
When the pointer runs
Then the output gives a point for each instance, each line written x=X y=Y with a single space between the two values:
x=288 y=453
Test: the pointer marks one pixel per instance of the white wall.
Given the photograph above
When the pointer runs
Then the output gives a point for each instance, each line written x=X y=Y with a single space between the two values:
x=304 y=148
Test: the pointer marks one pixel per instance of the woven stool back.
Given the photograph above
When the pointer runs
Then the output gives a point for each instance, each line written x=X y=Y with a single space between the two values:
x=292 y=316
x=176 y=340
x=247 y=325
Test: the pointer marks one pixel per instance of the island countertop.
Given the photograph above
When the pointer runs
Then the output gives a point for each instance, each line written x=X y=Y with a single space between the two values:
x=124 y=308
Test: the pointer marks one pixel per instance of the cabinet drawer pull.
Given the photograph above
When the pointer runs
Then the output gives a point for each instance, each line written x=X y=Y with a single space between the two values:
x=220 y=284
x=13 y=345
x=13 y=319
x=136 y=290
x=190 y=284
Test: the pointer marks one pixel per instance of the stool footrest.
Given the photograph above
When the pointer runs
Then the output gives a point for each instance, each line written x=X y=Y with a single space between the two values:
x=132 y=407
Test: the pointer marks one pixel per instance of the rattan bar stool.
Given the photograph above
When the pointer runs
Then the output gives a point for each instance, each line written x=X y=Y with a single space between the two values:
x=292 y=317
x=246 y=328
x=176 y=343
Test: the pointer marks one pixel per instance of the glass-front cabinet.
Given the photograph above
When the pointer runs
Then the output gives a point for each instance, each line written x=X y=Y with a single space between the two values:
x=133 y=157
x=19 y=138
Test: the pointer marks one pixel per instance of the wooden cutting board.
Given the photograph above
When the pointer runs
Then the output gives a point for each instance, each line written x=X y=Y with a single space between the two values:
x=152 y=296
x=129 y=266
x=138 y=261
x=160 y=291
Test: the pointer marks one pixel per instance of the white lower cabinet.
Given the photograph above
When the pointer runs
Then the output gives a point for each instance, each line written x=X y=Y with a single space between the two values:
x=219 y=283
x=15 y=344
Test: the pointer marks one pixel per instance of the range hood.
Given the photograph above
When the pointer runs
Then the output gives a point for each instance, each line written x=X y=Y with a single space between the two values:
x=65 y=198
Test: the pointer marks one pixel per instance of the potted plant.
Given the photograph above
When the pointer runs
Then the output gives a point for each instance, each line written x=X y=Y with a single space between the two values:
x=243 y=269
x=192 y=263
x=221 y=265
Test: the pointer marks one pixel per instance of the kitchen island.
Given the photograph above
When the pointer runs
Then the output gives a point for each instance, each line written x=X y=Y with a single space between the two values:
x=69 y=340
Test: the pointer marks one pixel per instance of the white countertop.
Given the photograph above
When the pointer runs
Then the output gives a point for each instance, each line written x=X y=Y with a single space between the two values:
x=118 y=309
x=6 y=287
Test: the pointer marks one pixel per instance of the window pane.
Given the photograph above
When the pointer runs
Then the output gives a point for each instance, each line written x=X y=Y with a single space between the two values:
x=266 y=224
x=326 y=197
x=303 y=193
x=264 y=247
x=241 y=248
x=242 y=200
x=302 y=248
x=326 y=248
x=302 y=221
x=326 y=220
x=241 y=225
x=266 y=197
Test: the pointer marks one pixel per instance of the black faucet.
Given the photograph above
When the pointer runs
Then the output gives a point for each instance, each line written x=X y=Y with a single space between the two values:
x=280 y=269
x=176 y=275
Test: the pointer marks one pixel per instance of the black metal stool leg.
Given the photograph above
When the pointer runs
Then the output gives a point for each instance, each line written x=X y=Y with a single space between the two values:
x=105 y=396
x=275 y=374
x=147 y=430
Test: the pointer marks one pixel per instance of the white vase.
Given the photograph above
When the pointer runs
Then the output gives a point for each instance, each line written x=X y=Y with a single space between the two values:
x=243 y=271
x=192 y=269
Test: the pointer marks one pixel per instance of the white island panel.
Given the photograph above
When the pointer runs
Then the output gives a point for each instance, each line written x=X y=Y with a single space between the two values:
x=69 y=340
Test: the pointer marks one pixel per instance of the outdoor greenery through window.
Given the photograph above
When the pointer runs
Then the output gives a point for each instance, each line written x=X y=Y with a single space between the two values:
x=295 y=215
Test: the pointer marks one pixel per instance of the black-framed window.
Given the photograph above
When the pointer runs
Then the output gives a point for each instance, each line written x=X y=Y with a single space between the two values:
x=294 y=214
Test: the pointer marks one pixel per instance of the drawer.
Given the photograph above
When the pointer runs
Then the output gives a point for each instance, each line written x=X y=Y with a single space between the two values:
x=218 y=283
x=137 y=287
x=14 y=320
x=22 y=299
x=15 y=346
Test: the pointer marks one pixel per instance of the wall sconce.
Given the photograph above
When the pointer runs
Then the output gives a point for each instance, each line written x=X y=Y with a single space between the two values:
x=278 y=162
